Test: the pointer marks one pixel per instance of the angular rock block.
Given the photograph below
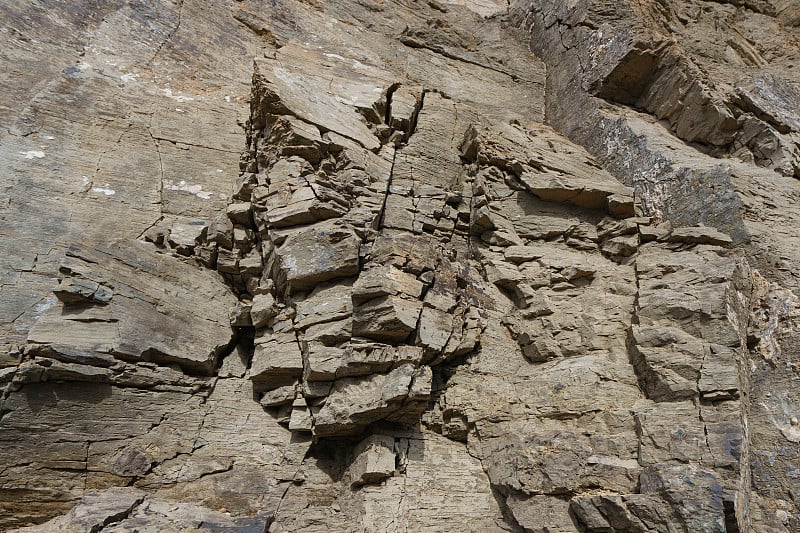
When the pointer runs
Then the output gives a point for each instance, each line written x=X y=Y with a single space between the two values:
x=389 y=318
x=317 y=254
x=356 y=402
x=374 y=460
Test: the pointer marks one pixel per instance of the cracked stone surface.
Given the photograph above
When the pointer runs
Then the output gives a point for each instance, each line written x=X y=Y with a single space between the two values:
x=395 y=265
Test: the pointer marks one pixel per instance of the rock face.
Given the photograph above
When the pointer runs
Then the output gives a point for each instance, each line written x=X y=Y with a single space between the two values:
x=466 y=265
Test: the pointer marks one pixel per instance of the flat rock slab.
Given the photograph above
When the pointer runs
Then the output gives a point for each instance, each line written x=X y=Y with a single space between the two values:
x=339 y=87
x=95 y=511
x=772 y=98
x=127 y=509
x=163 y=309
x=548 y=164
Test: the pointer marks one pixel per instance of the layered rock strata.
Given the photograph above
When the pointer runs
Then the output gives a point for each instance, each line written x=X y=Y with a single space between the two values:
x=479 y=267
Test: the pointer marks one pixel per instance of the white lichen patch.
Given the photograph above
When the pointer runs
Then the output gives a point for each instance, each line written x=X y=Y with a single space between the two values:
x=104 y=190
x=44 y=305
x=32 y=154
x=177 y=97
x=197 y=190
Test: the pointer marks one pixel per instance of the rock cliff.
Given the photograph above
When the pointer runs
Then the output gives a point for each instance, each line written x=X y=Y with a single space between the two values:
x=400 y=265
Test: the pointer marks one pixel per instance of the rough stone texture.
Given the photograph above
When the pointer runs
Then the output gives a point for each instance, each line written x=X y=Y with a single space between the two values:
x=400 y=266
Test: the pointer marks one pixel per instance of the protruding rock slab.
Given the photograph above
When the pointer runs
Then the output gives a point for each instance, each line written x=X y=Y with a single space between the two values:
x=355 y=402
x=163 y=309
x=549 y=165
x=130 y=510
x=288 y=88
x=374 y=460
x=95 y=511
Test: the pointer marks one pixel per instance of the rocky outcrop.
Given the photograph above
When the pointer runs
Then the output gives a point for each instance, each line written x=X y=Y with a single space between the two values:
x=468 y=266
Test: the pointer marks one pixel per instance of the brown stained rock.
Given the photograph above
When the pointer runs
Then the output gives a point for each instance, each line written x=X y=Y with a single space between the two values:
x=127 y=509
x=96 y=510
x=417 y=307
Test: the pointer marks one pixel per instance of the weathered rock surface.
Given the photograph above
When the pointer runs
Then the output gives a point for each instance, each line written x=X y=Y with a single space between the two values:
x=461 y=266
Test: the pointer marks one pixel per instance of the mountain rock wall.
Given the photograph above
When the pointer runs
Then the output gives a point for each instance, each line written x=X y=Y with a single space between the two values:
x=400 y=266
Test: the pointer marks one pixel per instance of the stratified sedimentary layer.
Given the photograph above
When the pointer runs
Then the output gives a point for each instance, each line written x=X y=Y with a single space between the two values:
x=460 y=266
